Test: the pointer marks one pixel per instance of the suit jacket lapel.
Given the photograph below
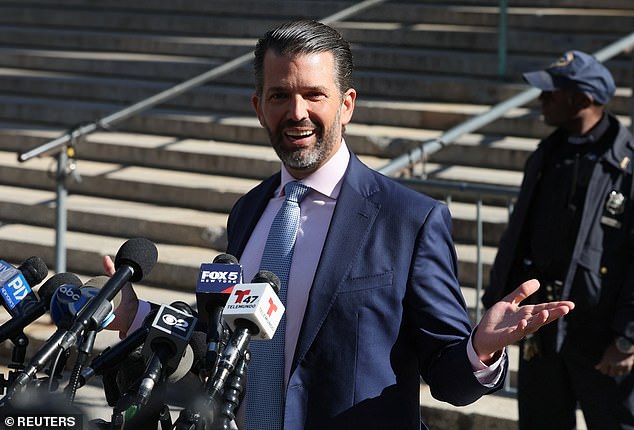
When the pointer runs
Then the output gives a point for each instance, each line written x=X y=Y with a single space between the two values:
x=349 y=228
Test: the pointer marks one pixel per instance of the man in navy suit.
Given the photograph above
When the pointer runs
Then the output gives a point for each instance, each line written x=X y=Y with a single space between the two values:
x=373 y=299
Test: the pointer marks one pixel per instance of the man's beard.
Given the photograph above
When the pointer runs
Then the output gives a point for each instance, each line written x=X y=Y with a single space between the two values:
x=306 y=158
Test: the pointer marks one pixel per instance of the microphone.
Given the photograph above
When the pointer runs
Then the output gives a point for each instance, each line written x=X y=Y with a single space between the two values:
x=68 y=301
x=112 y=356
x=16 y=284
x=215 y=283
x=253 y=310
x=255 y=306
x=135 y=258
x=34 y=310
x=166 y=343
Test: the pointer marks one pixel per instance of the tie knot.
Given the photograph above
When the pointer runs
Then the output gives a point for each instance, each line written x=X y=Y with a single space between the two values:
x=296 y=191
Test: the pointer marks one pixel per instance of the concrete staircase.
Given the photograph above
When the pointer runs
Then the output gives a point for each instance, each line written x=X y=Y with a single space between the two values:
x=172 y=173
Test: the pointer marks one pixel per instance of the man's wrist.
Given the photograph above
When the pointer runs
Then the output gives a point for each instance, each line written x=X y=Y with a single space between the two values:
x=490 y=358
x=485 y=360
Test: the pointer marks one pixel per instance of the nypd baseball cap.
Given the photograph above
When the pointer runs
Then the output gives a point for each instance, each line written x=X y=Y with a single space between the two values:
x=575 y=69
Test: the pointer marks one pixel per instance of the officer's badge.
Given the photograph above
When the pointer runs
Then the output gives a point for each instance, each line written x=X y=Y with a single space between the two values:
x=614 y=207
x=564 y=60
x=616 y=203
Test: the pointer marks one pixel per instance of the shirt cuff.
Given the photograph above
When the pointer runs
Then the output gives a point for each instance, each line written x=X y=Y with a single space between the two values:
x=490 y=375
x=142 y=311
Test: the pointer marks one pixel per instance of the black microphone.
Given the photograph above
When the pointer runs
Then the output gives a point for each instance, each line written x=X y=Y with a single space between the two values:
x=215 y=283
x=68 y=301
x=34 y=310
x=112 y=356
x=16 y=284
x=166 y=343
x=133 y=261
x=252 y=310
x=130 y=406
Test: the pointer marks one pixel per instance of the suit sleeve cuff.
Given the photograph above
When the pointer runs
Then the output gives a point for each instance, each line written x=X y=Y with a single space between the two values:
x=490 y=375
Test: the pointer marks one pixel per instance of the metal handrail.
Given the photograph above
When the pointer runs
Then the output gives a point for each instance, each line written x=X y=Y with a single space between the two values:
x=485 y=118
x=478 y=190
x=109 y=121
x=59 y=145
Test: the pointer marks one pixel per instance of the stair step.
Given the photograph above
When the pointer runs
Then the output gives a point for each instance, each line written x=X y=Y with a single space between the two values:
x=494 y=220
x=151 y=66
x=108 y=217
x=437 y=36
x=381 y=141
x=197 y=21
x=587 y=4
x=190 y=155
x=489 y=412
x=534 y=18
x=56 y=87
x=177 y=267
x=142 y=184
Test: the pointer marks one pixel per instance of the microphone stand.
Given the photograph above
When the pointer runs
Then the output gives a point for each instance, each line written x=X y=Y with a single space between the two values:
x=18 y=355
x=83 y=354
x=54 y=372
x=219 y=403
x=122 y=411
x=127 y=408
x=165 y=419
x=231 y=394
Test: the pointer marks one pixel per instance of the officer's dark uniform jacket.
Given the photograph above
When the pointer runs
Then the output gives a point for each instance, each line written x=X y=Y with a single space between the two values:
x=600 y=274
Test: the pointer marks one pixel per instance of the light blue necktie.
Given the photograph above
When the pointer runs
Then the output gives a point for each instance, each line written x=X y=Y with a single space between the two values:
x=265 y=382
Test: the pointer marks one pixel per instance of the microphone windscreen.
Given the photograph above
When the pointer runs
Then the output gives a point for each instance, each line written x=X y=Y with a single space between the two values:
x=98 y=282
x=198 y=343
x=139 y=253
x=34 y=270
x=183 y=307
x=183 y=366
x=225 y=259
x=264 y=276
x=46 y=291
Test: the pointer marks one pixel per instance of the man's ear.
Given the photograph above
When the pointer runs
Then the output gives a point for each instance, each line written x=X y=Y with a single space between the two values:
x=347 y=106
x=255 y=102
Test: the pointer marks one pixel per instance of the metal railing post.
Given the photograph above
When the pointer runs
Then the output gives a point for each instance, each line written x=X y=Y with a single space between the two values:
x=479 y=271
x=60 y=213
x=502 y=39
x=632 y=95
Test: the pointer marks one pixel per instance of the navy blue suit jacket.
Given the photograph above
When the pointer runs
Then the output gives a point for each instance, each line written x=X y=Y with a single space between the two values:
x=384 y=309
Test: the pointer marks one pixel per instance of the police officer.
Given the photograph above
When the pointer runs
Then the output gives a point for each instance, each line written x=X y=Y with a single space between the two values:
x=572 y=230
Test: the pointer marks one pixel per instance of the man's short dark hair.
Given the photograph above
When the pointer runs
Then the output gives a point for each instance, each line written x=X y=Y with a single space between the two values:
x=301 y=37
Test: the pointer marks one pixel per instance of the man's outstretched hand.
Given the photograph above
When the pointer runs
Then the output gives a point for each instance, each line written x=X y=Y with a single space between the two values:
x=125 y=313
x=507 y=322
